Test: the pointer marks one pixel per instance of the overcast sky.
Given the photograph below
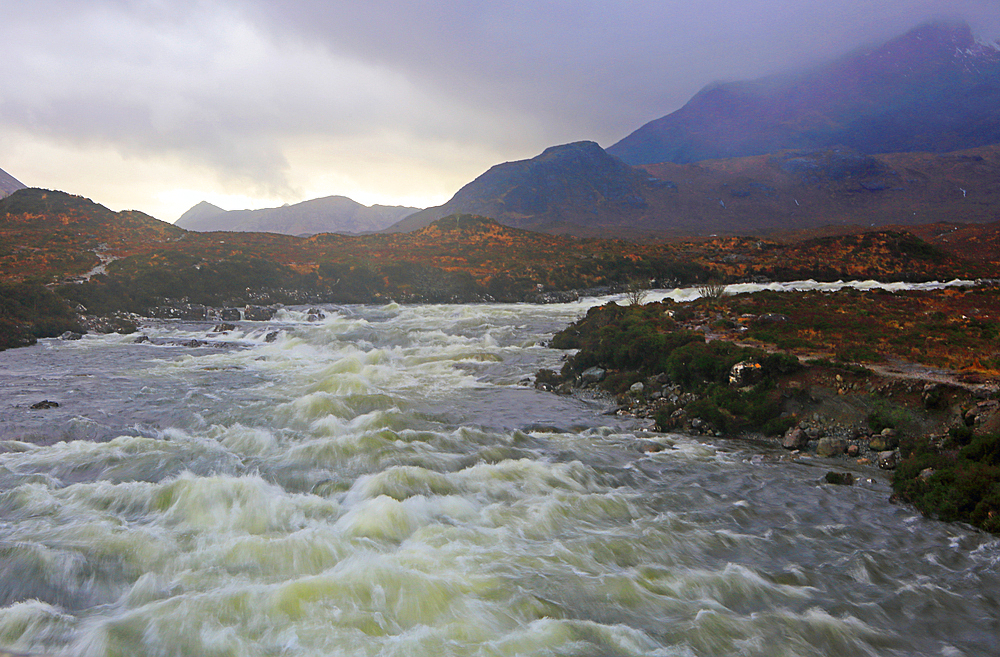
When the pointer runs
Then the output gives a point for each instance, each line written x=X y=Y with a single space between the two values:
x=158 y=104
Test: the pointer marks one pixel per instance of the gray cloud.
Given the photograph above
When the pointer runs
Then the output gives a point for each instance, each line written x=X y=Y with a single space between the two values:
x=236 y=86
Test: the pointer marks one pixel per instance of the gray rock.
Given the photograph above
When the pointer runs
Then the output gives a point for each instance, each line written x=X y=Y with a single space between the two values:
x=223 y=328
x=830 y=446
x=593 y=375
x=271 y=337
x=230 y=315
x=258 y=313
x=885 y=441
x=636 y=388
x=71 y=335
x=795 y=438
x=888 y=460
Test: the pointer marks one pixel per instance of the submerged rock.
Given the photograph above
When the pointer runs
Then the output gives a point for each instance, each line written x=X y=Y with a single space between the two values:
x=44 y=404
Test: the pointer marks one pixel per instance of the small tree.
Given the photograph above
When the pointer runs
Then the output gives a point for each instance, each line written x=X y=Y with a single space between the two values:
x=712 y=290
x=635 y=292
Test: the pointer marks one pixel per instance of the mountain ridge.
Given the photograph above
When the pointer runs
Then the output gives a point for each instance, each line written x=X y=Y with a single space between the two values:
x=933 y=89
x=329 y=214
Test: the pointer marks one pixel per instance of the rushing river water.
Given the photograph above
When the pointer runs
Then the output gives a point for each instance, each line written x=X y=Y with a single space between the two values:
x=383 y=482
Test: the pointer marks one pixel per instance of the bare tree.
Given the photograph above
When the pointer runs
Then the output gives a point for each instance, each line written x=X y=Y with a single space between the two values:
x=635 y=292
x=712 y=290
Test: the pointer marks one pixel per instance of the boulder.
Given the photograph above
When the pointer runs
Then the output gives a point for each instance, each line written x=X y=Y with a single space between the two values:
x=839 y=478
x=885 y=441
x=593 y=375
x=230 y=315
x=71 y=335
x=795 y=438
x=831 y=446
x=223 y=328
x=258 y=313
x=271 y=337
x=888 y=460
x=636 y=388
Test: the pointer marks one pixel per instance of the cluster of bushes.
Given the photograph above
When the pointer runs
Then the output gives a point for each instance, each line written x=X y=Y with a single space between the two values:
x=638 y=342
x=29 y=311
x=957 y=481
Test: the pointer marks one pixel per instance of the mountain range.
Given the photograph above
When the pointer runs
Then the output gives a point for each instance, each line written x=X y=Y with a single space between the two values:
x=933 y=89
x=8 y=184
x=905 y=133
x=331 y=214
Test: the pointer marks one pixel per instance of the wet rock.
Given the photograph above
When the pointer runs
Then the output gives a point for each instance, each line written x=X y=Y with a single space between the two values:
x=271 y=337
x=315 y=314
x=795 y=438
x=193 y=343
x=839 y=478
x=258 y=313
x=44 y=404
x=592 y=375
x=71 y=335
x=831 y=446
x=565 y=388
x=230 y=315
x=223 y=328
x=887 y=460
x=141 y=339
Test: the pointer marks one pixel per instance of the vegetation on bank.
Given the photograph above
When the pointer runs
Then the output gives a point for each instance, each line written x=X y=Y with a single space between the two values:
x=957 y=479
x=29 y=311
x=954 y=477
x=635 y=342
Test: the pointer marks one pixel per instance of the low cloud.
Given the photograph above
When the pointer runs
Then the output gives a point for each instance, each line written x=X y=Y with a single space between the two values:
x=240 y=89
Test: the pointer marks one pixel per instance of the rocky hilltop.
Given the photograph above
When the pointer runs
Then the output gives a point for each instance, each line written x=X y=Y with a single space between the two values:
x=331 y=214
x=934 y=89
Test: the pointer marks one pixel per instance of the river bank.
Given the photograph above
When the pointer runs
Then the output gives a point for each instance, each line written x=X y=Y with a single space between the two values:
x=709 y=368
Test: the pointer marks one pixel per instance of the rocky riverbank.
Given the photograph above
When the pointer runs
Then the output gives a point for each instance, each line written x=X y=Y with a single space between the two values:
x=937 y=430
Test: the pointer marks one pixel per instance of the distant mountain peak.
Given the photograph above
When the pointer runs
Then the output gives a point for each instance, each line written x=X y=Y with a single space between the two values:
x=330 y=214
x=932 y=89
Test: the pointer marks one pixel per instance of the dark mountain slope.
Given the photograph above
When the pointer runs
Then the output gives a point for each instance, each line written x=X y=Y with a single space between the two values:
x=933 y=89
x=565 y=189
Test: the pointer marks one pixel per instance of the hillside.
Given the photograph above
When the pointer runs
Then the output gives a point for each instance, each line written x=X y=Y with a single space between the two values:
x=565 y=189
x=933 y=89
x=8 y=184
x=578 y=189
x=332 y=214
x=52 y=237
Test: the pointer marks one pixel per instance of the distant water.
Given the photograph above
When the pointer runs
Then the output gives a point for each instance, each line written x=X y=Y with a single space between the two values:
x=382 y=482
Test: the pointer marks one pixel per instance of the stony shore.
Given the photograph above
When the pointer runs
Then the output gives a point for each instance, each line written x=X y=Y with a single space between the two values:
x=852 y=413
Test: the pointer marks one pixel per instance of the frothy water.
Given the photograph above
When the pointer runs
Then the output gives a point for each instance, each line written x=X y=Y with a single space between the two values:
x=382 y=482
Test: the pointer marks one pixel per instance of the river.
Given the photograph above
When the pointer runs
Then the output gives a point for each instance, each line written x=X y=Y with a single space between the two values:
x=384 y=482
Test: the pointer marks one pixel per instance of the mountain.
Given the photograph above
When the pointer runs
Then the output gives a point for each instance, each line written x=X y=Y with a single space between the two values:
x=332 y=214
x=8 y=184
x=934 y=89
x=567 y=188
x=579 y=189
